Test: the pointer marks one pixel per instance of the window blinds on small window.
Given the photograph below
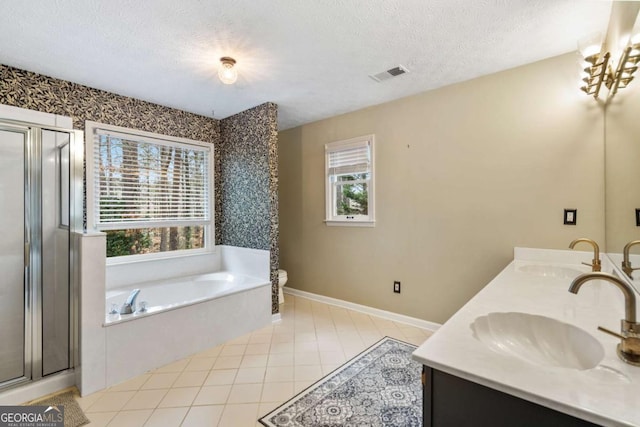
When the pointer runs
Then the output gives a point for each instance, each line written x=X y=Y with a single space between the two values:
x=348 y=159
x=145 y=182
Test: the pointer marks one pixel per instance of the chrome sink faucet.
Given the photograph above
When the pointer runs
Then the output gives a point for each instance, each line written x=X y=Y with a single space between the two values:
x=595 y=264
x=629 y=347
x=129 y=306
x=626 y=264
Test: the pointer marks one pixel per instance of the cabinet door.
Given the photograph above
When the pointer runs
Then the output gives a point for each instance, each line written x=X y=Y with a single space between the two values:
x=454 y=402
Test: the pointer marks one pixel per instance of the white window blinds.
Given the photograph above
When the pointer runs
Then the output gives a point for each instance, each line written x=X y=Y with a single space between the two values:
x=349 y=158
x=142 y=182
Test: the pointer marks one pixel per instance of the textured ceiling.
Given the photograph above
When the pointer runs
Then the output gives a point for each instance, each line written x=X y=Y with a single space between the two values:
x=312 y=58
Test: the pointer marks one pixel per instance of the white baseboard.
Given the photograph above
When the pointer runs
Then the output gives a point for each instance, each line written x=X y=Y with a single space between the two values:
x=401 y=318
x=275 y=318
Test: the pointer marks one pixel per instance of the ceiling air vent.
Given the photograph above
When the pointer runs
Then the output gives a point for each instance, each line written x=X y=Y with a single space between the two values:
x=391 y=72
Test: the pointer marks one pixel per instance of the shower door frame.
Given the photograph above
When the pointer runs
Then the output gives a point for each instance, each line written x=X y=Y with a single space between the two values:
x=33 y=258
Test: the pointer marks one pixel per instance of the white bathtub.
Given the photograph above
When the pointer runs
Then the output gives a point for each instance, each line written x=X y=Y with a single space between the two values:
x=170 y=294
x=184 y=316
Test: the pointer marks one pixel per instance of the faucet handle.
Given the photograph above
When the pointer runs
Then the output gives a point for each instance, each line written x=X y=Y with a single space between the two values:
x=595 y=265
x=610 y=332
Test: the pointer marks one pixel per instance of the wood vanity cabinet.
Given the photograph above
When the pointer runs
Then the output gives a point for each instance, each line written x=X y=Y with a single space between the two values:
x=452 y=401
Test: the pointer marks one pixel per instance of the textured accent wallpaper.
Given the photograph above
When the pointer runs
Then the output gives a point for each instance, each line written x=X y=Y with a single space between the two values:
x=249 y=159
x=24 y=89
x=246 y=205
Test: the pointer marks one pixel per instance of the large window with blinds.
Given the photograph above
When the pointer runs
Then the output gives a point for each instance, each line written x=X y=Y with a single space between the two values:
x=349 y=182
x=151 y=194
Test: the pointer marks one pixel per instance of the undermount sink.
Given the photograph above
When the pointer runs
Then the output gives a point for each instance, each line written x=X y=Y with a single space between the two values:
x=539 y=340
x=550 y=271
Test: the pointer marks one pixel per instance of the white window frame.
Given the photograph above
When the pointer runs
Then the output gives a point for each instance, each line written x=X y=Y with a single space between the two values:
x=90 y=130
x=350 y=220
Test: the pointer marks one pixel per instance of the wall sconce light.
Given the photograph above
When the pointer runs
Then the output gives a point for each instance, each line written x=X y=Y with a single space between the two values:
x=600 y=70
x=227 y=71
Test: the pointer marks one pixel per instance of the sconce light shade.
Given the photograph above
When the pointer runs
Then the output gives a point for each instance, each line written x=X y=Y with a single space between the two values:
x=590 y=47
x=227 y=71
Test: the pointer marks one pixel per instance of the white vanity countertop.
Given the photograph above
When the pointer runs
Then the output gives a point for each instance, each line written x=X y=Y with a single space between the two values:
x=608 y=394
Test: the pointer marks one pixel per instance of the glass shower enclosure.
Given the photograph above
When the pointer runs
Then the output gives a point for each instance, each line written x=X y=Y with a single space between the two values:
x=40 y=206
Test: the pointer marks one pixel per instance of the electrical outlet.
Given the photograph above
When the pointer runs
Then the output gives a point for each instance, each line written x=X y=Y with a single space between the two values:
x=570 y=216
x=396 y=287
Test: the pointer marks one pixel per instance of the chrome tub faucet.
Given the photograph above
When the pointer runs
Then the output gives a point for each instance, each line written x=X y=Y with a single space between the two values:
x=129 y=306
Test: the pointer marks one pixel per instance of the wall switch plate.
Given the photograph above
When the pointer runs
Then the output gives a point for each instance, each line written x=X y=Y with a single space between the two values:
x=396 y=287
x=570 y=216
x=637 y=217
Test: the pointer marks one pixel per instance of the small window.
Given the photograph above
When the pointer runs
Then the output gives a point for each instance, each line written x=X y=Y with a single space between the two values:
x=349 y=182
x=151 y=194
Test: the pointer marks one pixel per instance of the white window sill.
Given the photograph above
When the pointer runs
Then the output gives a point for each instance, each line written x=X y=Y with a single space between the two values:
x=349 y=223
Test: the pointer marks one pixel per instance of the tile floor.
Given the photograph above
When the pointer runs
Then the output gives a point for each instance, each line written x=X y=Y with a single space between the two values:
x=239 y=381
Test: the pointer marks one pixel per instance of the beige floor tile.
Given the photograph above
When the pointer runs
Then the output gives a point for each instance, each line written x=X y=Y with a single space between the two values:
x=86 y=401
x=330 y=345
x=244 y=339
x=257 y=348
x=221 y=376
x=112 y=401
x=177 y=397
x=233 y=350
x=167 y=417
x=245 y=393
x=265 y=407
x=260 y=339
x=302 y=385
x=282 y=338
x=191 y=379
x=100 y=419
x=161 y=380
x=281 y=347
x=306 y=336
x=327 y=369
x=276 y=392
x=200 y=364
x=203 y=416
x=145 y=399
x=131 y=418
x=280 y=359
x=132 y=384
x=212 y=395
x=227 y=362
x=332 y=357
x=305 y=346
x=250 y=375
x=177 y=366
x=279 y=374
x=239 y=415
x=306 y=358
x=254 y=361
x=307 y=373
x=212 y=352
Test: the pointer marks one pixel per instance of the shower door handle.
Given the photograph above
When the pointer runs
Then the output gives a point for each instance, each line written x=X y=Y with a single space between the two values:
x=27 y=254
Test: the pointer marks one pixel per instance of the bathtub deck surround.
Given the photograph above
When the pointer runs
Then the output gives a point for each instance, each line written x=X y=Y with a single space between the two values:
x=158 y=337
x=603 y=390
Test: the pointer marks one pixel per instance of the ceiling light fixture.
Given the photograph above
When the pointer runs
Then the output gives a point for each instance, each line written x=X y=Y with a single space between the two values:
x=227 y=72
x=602 y=70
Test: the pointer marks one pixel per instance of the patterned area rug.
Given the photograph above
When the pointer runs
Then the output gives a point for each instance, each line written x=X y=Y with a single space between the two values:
x=379 y=387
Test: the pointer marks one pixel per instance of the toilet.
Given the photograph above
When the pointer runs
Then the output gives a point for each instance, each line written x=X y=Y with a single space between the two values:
x=282 y=279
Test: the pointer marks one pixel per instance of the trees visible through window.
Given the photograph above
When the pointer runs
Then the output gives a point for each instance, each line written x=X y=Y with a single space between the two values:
x=349 y=185
x=150 y=194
